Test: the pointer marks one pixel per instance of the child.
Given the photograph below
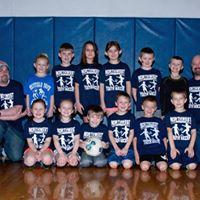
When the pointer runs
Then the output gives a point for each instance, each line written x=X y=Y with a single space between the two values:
x=94 y=129
x=120 y=125
x=150 y=141
x=87 y=79
x=181 y=130
x=38 y=135
x=114 y=77
x=172 y=82
x=66 y=135
x=40 y=85
x=146 y=82
x=63 y=75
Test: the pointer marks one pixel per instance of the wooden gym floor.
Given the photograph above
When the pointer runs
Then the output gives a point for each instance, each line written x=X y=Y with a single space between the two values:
x=19 y=182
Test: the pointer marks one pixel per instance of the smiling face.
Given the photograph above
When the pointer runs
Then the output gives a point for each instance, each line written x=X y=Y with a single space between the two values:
x=41 y=65
x=196 y=66
x=66 y=109
x=113 y=54
x=147 y=60
x=38 y=110
x=89 y=53
x=178 y=100
x=176 y=66
x=123 y=104
x=149 y=108
x=4 y=75
x=95 y=119
x=66 y=56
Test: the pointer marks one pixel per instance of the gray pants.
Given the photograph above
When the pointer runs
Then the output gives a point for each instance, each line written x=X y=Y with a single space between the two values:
x=97 y=161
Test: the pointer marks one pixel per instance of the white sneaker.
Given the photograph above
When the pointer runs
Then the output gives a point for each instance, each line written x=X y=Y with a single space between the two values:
x=4 y=156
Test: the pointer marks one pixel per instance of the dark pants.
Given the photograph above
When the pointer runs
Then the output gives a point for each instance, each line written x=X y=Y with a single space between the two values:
x=13 y=142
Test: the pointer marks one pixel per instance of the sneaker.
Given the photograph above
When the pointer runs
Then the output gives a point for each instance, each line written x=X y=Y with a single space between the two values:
x=4 y=156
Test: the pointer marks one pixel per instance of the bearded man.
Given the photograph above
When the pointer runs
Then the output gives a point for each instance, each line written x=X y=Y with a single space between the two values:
x=11 y=106
x=194 y=98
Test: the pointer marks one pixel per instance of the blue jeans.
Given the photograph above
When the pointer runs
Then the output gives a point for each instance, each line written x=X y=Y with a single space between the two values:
x=197 y=145
x=12 y=141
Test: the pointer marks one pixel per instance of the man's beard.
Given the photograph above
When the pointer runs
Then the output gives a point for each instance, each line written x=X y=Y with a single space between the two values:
x=5 y=79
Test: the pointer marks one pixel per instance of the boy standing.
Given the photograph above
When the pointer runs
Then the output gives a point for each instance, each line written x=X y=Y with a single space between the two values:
x=120 y=126
x=181 y=130
x=150 y=140
x=146 y=81
x=94 y=129
x=172 y=82
x=63 y=75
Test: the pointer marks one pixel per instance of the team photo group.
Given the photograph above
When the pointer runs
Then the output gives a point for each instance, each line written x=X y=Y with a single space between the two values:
x=102 y=115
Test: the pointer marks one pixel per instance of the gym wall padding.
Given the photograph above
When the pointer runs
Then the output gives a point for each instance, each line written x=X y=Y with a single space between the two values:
x=22 y=38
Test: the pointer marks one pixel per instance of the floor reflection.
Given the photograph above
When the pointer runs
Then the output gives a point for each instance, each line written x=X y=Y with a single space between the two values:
x=105 y=183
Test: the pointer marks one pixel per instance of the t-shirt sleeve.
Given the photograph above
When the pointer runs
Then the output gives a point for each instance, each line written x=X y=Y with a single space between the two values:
x=19 y=96
x=50 y=128
x=26 y=133
x=51 y=91
x=127 y=74
x=163 y=130
x=135 y=127
x=134 y=81
x=167 y=121
x=193 y=125
x=26 y=87
x=77 y=77
x=109 y=124
x=77 y=128
x=102 y=75
x=105 y=134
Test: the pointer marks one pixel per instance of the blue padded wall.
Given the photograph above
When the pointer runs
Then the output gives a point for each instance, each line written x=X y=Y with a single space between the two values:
x=7 y=42
x=119 y=29
x=73 y=30
x=22 y=38
x=159 y=35
x=32 y=37
x=187 y=41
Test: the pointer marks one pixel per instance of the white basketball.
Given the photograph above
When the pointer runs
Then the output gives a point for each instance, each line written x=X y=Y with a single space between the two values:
x=93 y=146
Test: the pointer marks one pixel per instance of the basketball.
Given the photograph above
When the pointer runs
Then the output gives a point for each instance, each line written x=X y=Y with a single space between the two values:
x=93 y=146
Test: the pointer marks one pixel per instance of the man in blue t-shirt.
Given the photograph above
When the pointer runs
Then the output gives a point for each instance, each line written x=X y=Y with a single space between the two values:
x=11 y=105
x=194 y=98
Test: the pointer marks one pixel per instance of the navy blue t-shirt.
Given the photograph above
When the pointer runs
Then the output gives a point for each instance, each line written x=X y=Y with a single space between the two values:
x=100 y=132
x=63 y=83
x=120 y=125
x=194 y=99
x=10 y=96
x=88 y=79
x=66 y=133
x=38 y=132
x=181 y=125
x=150 y=133
x=147 y=83
x=114 y=78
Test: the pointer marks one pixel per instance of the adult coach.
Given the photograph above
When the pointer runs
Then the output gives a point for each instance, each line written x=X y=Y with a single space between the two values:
x=194 y=98
x=11 y=105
